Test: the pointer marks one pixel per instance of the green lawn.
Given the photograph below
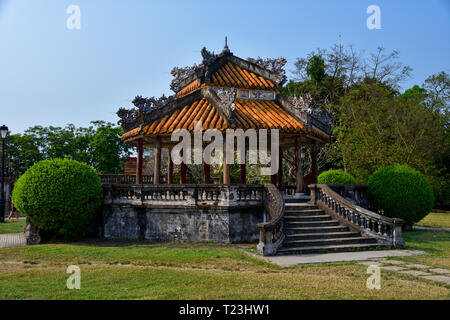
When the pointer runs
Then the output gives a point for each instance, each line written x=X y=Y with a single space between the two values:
x=436 y=245
x=437 y=220
x=203 y=271
x=12 y=226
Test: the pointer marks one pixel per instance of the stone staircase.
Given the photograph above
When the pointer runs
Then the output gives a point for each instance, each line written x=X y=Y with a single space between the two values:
x=309 y=229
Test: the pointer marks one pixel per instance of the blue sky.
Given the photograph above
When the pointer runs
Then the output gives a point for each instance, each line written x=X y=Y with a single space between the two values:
x=50 y=75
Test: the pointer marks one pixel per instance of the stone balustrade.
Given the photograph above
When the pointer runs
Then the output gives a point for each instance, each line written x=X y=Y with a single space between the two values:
x=271 y=234
x=386 y=230
x=185 y=195
x=355 y=193
x=289 y=190
x=128 y=179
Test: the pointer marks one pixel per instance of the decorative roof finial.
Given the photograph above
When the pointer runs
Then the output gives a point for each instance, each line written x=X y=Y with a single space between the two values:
x=226 y=49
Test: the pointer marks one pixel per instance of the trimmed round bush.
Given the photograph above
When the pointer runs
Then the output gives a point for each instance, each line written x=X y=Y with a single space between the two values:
x=335 y=176
x=60 y=196
x=399 y=191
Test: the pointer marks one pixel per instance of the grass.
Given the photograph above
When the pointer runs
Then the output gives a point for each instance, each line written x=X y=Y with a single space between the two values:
x=205 y=271
x=436 y=245
x=12 y=226
x=436 y=220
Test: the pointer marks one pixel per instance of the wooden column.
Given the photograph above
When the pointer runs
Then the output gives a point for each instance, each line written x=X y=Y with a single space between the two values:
x=140 y=161
x=170 y=169
x=226 y=167
x=280 y=170
x=206 y=169
x=314 y=168
x=183 y=168
x=299 y=183
x=157 y=171
x=243 y=169
x=273 y=179
x=243 y=179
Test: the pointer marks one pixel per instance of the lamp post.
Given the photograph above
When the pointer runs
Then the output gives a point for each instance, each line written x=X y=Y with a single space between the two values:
x=3 y=133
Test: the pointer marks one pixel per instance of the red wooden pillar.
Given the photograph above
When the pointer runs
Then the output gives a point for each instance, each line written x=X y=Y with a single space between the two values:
x=299 y=185
x=243 y=173
x=226 y=167
x=206 y=169
x=243 y=169
x=280 y=170
x=206 y=173
x=314 y=161
x=170 y=175
x=183 y=168
x=273 y=179
x=157 y=171
x=140 y=161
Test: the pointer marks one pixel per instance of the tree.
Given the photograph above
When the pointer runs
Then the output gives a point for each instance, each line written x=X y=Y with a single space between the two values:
x=379 y=128
x=107 y=148
x=99 y=145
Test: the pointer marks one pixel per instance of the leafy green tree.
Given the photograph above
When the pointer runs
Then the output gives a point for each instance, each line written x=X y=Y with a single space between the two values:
x=378 y=128
x=107 y=148
x=315 y=68
x=99 y=145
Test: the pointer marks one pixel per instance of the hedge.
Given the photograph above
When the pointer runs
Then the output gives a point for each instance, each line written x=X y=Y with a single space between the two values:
x=60 y=196
x=401 y=192
x=335 y=176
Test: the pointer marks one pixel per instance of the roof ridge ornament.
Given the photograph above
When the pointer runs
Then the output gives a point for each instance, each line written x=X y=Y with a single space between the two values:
x=275 y=65
x=226 y=49
x=209 y=57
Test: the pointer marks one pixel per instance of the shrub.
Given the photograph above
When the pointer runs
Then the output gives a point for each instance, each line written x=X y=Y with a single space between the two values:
x=337 y=176
x=401 y=192
x=61 y=197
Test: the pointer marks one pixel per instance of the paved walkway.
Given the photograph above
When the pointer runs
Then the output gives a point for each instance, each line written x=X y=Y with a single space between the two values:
x=292 y=260
x=417 y=270
x=430 y=228
x=9 y=240
x=368 y=258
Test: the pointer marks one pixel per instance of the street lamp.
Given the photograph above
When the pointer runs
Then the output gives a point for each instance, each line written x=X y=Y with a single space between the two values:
x=3 y=133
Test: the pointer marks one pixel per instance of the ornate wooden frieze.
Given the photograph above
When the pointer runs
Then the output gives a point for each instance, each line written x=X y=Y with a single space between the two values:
x=228 y=93
x=227 y=96
x=275 y=66
x=262 y=95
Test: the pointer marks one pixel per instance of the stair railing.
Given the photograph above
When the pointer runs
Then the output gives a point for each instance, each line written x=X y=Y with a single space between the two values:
x=271 y=233
x=386 y=230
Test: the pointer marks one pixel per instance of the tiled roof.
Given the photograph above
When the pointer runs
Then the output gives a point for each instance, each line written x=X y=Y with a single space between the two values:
x=194 y=85
x=256 y=114
x=231 y=75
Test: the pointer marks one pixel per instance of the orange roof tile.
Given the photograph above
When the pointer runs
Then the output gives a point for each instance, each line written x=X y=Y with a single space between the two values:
x=232 y=76
x=256 y=114
x=193 y=86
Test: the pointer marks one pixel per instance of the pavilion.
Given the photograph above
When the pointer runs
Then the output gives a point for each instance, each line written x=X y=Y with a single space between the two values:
x=224 y=92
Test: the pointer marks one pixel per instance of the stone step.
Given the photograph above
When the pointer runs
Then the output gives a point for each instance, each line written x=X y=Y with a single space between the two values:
x=299 y=204
x=307 y=224
x=330 y=248
x=287 y=200
x=300 y=218
x=306 y=230
x=304 y=212
x=325 y=235
x=327 y=242
x=290 y=199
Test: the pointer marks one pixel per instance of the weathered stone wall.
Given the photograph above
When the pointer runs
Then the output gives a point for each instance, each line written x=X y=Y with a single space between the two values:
x=218 y=224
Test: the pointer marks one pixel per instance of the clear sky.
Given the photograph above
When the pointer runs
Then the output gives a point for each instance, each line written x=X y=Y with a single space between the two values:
x=50 y=75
